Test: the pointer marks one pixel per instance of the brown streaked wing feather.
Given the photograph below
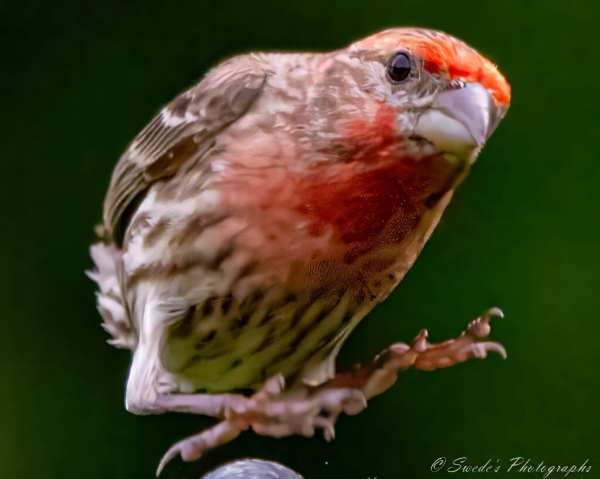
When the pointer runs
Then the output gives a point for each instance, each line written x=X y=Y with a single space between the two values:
x=181 y=133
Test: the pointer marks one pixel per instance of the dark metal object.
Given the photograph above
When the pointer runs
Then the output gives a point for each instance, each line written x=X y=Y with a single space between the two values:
x=252 y=469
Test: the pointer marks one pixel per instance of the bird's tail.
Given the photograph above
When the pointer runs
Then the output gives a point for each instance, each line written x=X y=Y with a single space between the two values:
x=111 y=304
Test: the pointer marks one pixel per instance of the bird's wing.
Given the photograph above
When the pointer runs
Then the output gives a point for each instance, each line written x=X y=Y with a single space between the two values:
x=180 y=134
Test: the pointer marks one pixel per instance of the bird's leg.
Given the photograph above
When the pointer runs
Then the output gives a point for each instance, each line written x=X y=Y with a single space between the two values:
x=214 y=405
x=276 y=412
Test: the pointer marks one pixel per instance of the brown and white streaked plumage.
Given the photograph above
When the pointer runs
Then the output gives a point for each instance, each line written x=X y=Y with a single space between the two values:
x=264 y=212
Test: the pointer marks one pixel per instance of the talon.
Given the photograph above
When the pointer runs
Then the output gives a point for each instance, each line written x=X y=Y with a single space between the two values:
x=274 y=385
x=478 y=350
x=170 y=454
x=326 y=423
x=496 y=347
x=494 y=312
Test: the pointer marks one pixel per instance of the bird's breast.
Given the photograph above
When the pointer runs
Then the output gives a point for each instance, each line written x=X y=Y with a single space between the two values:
x=335 y=210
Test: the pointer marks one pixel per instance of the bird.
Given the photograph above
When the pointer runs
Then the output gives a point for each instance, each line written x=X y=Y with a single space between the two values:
x=265 y=211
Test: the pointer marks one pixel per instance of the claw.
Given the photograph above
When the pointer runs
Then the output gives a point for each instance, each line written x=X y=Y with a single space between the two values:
x=326 y=423
x=170 y=454
x=329 y=433
x=191 y=448
x=494 y=312
x=483 y=349
x=187 y=449
x=274 y=385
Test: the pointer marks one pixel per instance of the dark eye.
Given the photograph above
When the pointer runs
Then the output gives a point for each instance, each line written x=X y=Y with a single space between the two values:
x=398 y=67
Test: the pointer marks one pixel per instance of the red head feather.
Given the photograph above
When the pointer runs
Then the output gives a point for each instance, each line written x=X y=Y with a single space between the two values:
x=443 y=55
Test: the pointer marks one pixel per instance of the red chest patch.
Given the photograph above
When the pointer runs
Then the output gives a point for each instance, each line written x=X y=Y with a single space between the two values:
x=357 y=205
x=376 y=193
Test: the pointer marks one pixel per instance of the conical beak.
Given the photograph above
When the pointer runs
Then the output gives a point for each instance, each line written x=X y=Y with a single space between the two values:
x=461 y=120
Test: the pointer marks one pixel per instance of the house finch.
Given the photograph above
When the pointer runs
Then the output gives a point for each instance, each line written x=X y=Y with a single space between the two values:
x=264 y=212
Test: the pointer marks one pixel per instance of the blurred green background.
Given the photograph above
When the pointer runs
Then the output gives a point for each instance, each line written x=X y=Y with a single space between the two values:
x=80 y=79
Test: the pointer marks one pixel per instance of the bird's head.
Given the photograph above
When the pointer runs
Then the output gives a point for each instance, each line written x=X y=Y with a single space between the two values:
x=444 y=96
x=399 y=117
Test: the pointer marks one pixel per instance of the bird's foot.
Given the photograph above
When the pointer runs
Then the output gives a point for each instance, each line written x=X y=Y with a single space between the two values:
x=271 y=412
x=422 y=354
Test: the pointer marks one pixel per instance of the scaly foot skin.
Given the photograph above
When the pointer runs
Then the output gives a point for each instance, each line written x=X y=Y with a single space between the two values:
x=427 y=356
x=275 y=412
x=270 y=412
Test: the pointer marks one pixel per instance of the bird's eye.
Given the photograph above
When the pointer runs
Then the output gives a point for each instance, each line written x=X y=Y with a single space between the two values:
x=398 y=67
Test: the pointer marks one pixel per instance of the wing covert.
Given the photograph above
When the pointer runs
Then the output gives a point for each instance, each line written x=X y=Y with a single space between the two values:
x=181 y=133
